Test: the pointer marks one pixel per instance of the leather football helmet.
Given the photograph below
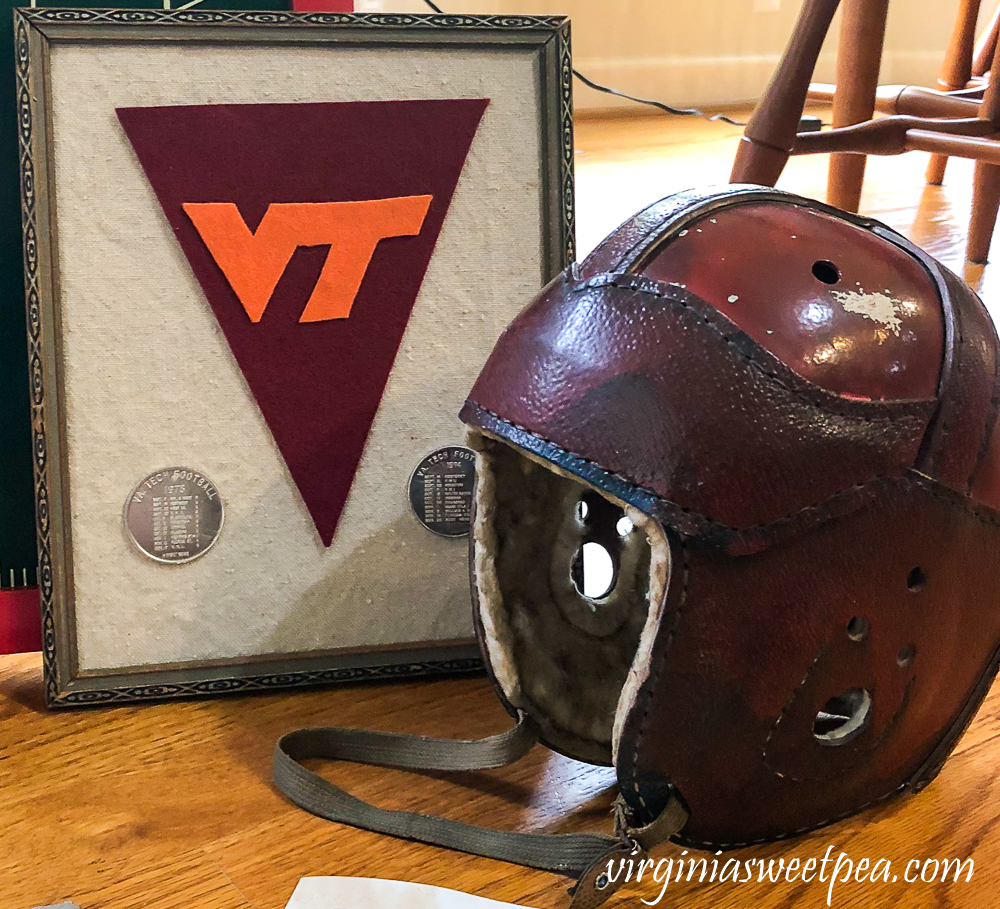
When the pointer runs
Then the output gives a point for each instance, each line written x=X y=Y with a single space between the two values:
x=779 y=423
x=796 y=409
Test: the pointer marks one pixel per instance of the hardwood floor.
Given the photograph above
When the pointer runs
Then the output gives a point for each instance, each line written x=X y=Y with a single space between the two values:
x=169 y=806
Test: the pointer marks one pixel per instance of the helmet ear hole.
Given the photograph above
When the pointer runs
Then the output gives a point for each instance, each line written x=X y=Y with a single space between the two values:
x=858 y=628
x=916 y=580
x=594 y=574
x=843 y=717
x=905 y=656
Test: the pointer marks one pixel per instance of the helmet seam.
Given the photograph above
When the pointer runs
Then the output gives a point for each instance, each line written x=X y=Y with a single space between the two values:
x=674 y=506
x=991 y=419
x=982 y=513
x=653 y=683
x=791 y=700
x=683 y=299
x=790 y=833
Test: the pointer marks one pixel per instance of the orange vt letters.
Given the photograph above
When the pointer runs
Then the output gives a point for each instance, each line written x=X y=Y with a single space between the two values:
x=254 y=262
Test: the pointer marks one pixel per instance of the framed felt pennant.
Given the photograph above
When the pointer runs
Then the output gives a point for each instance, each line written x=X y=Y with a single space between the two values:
x=266 y=255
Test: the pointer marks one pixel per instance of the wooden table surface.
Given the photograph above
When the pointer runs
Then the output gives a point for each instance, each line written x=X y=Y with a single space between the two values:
x=170 y=806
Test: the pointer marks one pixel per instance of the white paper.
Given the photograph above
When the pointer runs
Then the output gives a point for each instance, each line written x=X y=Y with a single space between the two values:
x=366 y=893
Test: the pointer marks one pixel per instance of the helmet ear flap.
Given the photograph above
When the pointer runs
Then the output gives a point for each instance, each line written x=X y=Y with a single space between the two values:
x=559 y=648
x=821 y=675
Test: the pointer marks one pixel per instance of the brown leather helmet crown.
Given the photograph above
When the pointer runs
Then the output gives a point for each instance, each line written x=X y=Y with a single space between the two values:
x=796 y=408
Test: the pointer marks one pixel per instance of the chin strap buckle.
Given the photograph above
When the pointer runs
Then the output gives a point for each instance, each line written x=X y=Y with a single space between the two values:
x=607 y=875
x=617 y=867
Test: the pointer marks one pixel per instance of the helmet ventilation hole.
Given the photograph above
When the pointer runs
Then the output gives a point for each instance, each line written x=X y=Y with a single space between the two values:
x=905 y=656
x=916 y=580
x=843 y=717
x=624 y=526
x=582 y=510
x=825 y=271
x=593 y=571
x=858 y=628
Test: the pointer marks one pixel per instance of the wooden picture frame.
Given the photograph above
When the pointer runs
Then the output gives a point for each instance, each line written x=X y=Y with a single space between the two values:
x=118 y=626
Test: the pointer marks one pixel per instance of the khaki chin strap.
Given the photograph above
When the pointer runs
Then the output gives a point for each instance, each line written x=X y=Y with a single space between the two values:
x=582 y=855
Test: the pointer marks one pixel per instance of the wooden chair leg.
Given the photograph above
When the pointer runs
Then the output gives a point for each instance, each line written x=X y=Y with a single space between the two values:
x=986 y=46
x=757 y=163
x=770 y=134
x=935 y=170
x=989 y=108
x=861 y=39
x=956 y=71
x=862 y=35
x=985 y=205
x=986 y=183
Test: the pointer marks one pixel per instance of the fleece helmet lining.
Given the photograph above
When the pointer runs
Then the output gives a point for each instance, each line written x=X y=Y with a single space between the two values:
x=573 y=663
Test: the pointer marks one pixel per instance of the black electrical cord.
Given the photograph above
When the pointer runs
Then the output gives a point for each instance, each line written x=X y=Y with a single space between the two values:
x=659 y=105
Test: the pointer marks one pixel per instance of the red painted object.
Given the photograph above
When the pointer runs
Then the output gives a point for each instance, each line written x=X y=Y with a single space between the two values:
x=316 y=350
x=824 y=267
x=20 y=628
x=323 y=6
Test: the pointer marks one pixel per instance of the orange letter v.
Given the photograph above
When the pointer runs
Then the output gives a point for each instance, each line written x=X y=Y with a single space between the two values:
x=253 y=262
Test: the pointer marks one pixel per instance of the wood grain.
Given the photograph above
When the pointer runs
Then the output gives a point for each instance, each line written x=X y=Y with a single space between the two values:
x=170 y=806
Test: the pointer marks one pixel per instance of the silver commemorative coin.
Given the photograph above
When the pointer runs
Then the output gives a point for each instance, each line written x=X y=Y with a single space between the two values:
x=174 y=515
x=441 y=490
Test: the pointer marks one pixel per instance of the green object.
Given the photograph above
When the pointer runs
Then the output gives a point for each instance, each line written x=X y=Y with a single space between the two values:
x=17 y=500
x=584 y=856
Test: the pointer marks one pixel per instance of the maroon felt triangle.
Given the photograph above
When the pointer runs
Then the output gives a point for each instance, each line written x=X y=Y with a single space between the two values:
x=255 y=194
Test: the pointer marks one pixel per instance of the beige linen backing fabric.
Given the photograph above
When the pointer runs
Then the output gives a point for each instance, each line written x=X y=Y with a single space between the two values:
x=150 y=381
